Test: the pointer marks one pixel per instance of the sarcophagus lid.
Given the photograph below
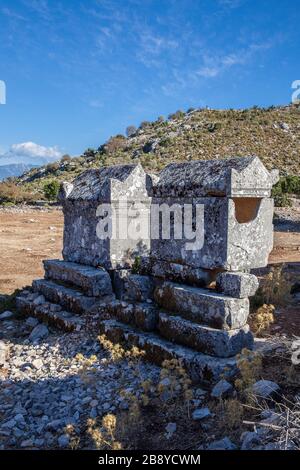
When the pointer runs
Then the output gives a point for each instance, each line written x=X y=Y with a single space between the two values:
x=231 y=177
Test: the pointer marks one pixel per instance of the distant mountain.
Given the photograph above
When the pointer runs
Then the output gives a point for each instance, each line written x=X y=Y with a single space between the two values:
x=14 y=169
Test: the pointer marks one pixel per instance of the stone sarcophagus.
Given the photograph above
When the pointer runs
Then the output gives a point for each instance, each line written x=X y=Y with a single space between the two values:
x=195 y=223
x=232 y=214
x=107 y=214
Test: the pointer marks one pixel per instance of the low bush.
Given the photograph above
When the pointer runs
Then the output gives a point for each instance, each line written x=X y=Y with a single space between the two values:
x=10 y=193
x=51 y=190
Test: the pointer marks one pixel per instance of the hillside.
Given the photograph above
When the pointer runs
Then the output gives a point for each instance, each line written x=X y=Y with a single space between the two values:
x=271 y=133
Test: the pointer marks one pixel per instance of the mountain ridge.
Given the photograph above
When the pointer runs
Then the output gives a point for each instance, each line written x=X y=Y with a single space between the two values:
x=273 y=134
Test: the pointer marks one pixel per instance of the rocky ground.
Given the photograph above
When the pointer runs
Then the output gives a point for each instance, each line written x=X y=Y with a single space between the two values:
x=46 y=384
x=53 y=383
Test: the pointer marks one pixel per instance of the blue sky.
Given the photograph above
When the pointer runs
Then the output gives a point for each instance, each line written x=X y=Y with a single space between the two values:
x=77 y=72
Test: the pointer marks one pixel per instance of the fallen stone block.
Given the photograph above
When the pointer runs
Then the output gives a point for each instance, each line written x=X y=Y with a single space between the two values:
x=94 y=282
x=239 y=285
x=203 y=305
x=220 y=343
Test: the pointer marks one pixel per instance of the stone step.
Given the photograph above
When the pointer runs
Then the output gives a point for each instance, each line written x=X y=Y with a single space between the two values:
x=94 y=282
x=220 y=343
x=70 y=299
x=203 y=305
x=142 y=314
x=202 y=368
x=50 y=313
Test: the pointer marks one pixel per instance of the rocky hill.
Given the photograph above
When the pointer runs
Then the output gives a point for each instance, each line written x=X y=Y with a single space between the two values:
x=271 y=133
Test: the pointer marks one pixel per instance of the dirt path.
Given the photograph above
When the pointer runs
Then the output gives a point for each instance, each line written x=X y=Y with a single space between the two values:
x=286 y=247
x=28 y=237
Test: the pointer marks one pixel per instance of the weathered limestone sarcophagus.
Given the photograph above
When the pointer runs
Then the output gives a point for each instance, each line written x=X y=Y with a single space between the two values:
x=99 y=208
x=167 y=305
x=237 y=212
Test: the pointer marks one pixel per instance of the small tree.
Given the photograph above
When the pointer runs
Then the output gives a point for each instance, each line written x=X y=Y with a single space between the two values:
x=178 y=115
x=51 y=190
x=145 y=124
x=89 y=153
x=65 y=158
x=114 y=144
x=130 y=131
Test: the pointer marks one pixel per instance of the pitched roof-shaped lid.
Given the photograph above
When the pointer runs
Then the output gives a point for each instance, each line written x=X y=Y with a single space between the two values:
x=95 y=184
x=227 y=177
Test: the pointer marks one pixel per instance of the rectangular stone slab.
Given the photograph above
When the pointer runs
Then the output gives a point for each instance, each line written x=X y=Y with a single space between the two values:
x=94 y=282
x=203 y=305
x=141 y=314
x=239 y=285
x=130 y=286
x=70 y=299
x=202 y=368
x=47 y=313
x=220 y=343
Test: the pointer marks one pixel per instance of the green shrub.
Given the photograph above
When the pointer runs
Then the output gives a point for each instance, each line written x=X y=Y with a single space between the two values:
x=282 y=200
x=213 y=126
x=89 y=154
x=51 y=190
x=145 y=124
x=290 y=184
x=52 y=167
x=178 y=115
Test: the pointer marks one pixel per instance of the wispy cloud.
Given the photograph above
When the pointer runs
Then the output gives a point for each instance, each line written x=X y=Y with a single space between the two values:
x=95 y=104
x=30 y=152
x=39 y=6
x=212 y=66
x=8 y=12
x=231 y=3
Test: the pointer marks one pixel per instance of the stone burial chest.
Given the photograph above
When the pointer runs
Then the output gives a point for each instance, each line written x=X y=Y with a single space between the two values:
x=235 y=195
x=107 y=216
